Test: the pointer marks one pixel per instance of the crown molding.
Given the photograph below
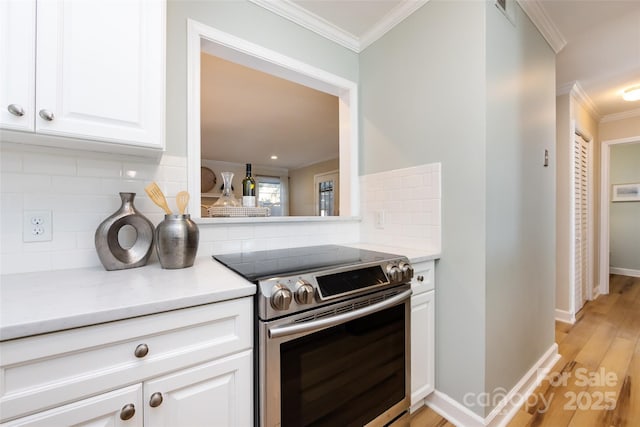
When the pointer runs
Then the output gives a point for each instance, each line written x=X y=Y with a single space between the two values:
x=540 y=18
x=390 y=20
x=620 y=116
x=310 y=21
x=577 y=92
x=313 y=22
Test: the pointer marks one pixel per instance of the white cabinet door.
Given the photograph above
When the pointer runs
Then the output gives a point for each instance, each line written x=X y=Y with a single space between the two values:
x=422 y=346
x=17 y=64
x=119 y=408
x=100 y=70
x=218 y=393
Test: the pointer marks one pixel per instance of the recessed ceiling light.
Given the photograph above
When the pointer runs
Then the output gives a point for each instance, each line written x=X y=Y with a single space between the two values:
x=274 y=157
x=631 y=94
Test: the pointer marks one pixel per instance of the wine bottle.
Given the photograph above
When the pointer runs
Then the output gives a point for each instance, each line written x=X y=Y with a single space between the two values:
x=249 y=189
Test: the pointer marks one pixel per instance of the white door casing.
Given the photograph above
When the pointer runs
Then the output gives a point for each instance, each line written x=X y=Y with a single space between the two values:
x=605 y=198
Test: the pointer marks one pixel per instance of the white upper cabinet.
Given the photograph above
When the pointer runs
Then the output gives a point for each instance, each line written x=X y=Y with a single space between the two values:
x=99 y=69
x=17 y=64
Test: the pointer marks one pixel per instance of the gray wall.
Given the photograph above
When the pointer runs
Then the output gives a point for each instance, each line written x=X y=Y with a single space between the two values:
x=252 y=23
x=423 y=101
x=624 y=217
x=459 y=84
x=521 y=201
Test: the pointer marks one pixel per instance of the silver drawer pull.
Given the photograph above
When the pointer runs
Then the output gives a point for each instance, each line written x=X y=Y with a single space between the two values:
x=141 y=350
x=155 y=400
x=127 y=412
x=46 y=115
x=16 y=110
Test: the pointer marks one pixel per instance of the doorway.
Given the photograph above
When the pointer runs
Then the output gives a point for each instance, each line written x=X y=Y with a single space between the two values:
x=605 y=198
x=327 y=193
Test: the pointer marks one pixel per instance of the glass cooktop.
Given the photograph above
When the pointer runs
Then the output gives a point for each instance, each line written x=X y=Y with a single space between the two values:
x=280 y=262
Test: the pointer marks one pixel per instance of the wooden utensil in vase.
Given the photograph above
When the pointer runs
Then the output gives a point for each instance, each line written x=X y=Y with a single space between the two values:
x=157 y=196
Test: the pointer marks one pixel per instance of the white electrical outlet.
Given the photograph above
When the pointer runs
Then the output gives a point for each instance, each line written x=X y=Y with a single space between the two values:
x=37 y=226
x=379 y=219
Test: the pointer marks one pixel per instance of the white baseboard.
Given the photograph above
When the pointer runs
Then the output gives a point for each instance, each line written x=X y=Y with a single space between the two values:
x=624 y=271
x=455 y=412
x=565 y=316
x=460 y=415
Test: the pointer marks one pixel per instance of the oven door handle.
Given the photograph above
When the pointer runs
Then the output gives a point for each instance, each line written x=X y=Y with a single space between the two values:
x=282 y=331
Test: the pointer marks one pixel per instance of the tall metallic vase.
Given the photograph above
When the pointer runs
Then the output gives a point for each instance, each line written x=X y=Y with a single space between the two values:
x=177 y=241
x=111 y=253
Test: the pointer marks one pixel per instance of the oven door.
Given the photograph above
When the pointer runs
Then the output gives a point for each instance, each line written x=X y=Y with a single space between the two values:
x=346 y=364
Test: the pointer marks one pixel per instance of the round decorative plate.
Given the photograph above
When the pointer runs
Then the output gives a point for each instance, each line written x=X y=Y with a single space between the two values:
x=207 y=179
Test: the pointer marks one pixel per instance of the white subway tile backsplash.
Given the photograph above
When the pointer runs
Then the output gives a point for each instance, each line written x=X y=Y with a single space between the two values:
x=410 y=201
x=49 y=164
x=140 y=171
x=10 y=161
x=77 y=258
x=115 y=186
x=99 y=168
x=19 y=182
x=74 y=184
x=85 y=239
x=17 y=262
x=172 y=173
x=81 y=189
x=12 y=237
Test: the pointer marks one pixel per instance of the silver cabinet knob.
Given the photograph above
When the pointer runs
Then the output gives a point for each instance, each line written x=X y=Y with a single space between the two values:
x=155 y=400
x=141 y=350
x=127 y=412
x=16 y=110
x=281 y=297
x=46 y=115
x=304 y=292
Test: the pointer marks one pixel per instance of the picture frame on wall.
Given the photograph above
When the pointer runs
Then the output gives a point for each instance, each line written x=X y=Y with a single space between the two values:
x=626 y=192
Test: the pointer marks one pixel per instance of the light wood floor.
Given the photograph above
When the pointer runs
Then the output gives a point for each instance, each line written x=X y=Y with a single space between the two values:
x=597 y=380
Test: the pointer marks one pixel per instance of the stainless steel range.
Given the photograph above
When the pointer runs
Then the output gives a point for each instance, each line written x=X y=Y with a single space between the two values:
x=332 y=335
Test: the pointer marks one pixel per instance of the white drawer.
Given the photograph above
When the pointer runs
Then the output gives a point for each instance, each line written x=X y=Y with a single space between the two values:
x=423 y=277
x=49 y=370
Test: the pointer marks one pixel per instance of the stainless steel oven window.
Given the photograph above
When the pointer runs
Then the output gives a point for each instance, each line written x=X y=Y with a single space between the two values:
x=352 y=373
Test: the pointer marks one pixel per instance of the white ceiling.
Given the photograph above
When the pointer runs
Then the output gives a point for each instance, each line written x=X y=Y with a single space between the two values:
x=597 y=44
x=247 y=116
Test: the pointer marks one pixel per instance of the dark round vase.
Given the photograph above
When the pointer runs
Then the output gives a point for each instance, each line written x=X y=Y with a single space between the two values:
x=111 y=253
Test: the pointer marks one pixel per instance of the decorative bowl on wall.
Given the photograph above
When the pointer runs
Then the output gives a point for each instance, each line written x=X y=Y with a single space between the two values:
x=207 y=179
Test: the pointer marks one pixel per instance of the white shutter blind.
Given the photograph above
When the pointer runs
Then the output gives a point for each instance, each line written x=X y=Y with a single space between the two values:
x=581 y=218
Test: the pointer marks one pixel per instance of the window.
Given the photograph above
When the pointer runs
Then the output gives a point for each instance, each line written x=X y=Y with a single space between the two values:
x=269 y=194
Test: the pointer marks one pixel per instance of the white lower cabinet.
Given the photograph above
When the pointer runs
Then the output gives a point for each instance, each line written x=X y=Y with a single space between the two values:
x=217 y=393
x=422 y=334
x=108 y=409
x=190 y=367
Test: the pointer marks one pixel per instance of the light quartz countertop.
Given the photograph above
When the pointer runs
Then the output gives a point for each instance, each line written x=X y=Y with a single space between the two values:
x=48 y=301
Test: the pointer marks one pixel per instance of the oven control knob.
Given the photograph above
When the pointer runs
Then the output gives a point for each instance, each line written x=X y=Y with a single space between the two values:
x=407 y=271
x=394 y=273
x=304 y=292
x=281 y=297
